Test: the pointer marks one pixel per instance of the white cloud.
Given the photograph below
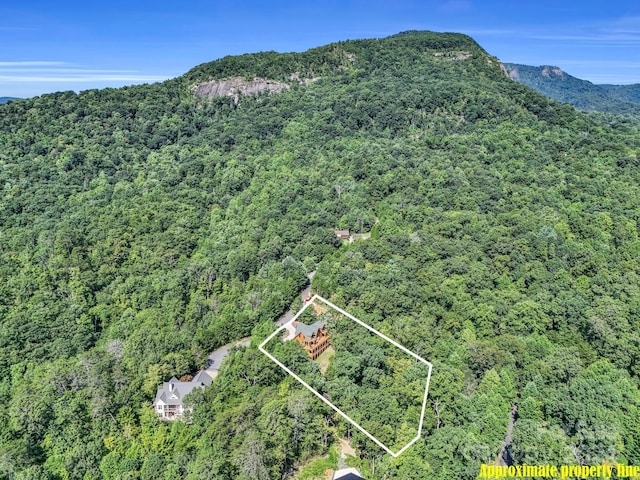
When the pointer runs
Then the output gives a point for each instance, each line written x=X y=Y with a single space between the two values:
x=633 y=21
x=596 y=39
x=81 y=78
x=30 y=64
x=623 y=32
x=599 y=63
x=64 y=70
x=61 y=72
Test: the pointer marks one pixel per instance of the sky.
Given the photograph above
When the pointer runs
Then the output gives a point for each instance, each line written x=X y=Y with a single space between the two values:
x=70 y=45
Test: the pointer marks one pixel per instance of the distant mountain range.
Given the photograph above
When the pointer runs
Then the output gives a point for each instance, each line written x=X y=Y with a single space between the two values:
x=7 y=99
x=558 y=85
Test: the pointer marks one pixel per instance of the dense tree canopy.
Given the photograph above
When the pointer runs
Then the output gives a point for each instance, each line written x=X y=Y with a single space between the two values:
x=142 y=227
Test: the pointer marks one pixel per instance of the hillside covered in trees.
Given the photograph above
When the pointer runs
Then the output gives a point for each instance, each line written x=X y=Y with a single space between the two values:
x=582 y=94
x=142 y=227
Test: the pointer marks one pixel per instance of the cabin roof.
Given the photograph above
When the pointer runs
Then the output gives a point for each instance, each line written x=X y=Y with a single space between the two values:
x=308 y=330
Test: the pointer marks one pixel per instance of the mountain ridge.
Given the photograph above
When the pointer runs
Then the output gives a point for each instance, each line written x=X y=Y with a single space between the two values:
x=553 y=82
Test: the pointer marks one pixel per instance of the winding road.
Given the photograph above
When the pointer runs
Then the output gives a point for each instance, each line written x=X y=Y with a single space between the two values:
x=218 y=355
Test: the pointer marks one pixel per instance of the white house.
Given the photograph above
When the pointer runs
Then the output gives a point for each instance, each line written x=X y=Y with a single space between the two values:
x=168 y=402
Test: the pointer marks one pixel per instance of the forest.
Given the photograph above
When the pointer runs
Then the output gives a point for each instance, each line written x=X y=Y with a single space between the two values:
x=376 y=384
x=143 y=227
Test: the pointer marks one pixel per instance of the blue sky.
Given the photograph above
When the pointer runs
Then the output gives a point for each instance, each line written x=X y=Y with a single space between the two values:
x=67 y=45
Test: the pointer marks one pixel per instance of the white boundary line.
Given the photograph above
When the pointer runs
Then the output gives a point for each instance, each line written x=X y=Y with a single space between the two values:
x=317 y=394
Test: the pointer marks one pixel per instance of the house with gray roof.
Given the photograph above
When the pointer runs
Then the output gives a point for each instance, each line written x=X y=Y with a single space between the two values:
x=308 y=330
x=314 y=338
x=168 y=403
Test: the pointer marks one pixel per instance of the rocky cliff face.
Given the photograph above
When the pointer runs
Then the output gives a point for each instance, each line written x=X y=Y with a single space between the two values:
x=237 y=85
x=548 y=71
x=502 y=68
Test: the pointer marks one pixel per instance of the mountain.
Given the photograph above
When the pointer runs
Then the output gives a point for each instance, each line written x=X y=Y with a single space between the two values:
x=143 y=227
x=554 y=83
x=626 y=93
x=7 y=99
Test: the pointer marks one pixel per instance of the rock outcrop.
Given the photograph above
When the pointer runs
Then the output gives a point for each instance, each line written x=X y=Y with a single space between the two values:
x=504 y=69
x=235 y=86
x=547 y=70
x=453 y=56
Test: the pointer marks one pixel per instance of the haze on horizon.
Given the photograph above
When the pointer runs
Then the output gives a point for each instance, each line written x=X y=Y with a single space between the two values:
x=47 y=47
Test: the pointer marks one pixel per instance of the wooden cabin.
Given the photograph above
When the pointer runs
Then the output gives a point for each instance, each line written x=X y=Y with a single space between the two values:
x=314 y=338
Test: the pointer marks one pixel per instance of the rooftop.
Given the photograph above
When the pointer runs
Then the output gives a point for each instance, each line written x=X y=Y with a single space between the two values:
x=308 y=330
x=347 y=474
x=174 y=391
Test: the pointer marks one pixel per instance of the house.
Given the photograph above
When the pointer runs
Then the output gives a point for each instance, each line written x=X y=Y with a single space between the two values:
x=168 y=402
x=343 y=234
x=314 y=338
x=347 y=474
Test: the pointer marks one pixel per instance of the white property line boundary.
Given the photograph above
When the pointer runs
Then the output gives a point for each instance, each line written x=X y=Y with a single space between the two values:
x=317 y=394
